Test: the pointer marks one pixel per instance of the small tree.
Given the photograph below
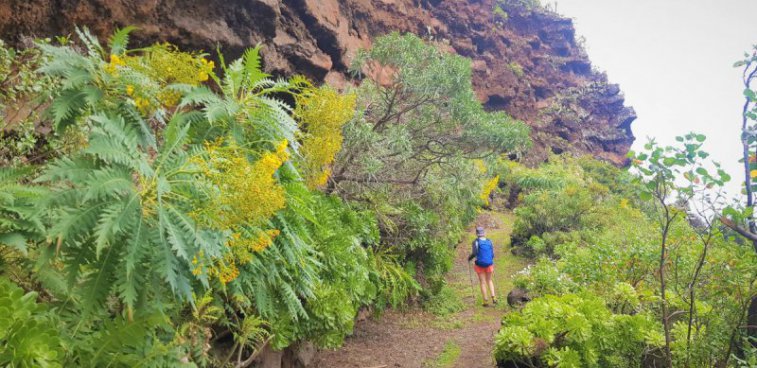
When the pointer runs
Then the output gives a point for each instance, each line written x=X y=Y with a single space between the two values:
x=742 y=220
x=661 y=169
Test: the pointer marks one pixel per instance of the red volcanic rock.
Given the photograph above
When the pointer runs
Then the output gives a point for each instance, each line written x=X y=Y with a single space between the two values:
x=530 y=64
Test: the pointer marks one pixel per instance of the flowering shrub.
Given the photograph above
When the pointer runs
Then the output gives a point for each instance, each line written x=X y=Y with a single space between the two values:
x=245 y=193
x=323 y=112
x=186 y=217
x=488 y=188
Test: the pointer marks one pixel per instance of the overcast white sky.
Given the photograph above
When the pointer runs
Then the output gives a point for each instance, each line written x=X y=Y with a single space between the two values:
x=673 y=59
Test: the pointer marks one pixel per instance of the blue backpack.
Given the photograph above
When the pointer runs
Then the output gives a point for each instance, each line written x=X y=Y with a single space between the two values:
x=485 y=253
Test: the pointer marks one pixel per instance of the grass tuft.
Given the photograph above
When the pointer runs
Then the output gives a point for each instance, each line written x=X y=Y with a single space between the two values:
x=447 y=358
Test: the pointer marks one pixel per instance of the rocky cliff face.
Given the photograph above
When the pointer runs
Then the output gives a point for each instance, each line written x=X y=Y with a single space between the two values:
x=527 y=61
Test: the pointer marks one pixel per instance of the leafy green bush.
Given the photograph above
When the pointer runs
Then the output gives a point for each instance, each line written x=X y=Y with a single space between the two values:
x=419 y=122
x=558 y=198
x=187 y=223
x=544 y=277
x=574 y=330
x=445 y=302
x=25 y=136
x=28 y=333
x=657 y=255
x=190 y=227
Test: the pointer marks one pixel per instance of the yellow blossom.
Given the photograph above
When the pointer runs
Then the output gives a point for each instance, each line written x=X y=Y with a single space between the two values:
x=143 y=105
x=489 y=186
x=242 y=248
x=116 y=60
x=169 y=97
x=323 y=112
x=480 y=166
x=624 y=203
x=228 y=272
x=166 y=64
x=247 y=193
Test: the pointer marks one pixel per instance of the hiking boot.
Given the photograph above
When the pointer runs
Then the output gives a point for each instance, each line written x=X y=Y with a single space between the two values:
x=495 y=301
x=485 y=304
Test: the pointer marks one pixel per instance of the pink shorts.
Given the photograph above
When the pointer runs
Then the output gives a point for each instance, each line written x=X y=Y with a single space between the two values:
x=488 y=269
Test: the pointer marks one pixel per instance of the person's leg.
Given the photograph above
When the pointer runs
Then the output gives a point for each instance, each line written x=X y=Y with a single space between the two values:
x=491 y=284
x=482 y=285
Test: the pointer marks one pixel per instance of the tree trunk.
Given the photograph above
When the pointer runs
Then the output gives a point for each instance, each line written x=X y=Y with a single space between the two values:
x=751 y=321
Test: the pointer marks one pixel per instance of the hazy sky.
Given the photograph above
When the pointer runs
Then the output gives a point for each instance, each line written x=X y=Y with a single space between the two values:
x=673 y=59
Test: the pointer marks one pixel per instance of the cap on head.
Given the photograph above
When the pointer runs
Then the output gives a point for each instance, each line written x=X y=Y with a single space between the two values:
x=480 y=231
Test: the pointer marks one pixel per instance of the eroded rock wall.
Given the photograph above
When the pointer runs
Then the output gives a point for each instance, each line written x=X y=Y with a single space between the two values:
x=529 y=64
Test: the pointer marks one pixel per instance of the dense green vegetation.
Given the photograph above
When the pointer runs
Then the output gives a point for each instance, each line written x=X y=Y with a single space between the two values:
x=415 y=155
x=631 y=270
x=159 y=208
x=188 y=213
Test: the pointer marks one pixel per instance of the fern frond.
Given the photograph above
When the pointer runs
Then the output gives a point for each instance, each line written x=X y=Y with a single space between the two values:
x=175 y=234
x=134 y=120
x=201 y=95
x=113 y=336
x=111 y=182
x=119 y=40
x=75 y=78
x=292 y=302
x=66 y=106
x=175 y=136
x=98 y=284
x=252 y=66
x=75 y=169
x=114 y=219
x=76 y=223
x=94 y=49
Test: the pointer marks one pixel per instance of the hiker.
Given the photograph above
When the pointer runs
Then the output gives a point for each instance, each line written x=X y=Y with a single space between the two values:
x=482 y=250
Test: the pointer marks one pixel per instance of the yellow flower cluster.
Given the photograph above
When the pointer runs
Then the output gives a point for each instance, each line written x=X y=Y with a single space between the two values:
x=242 y=248
x=228 y=272
x=480 y=166
x=206 y=68
x=324 y=112
x=115 y=62
x=148 y=195
x=165 y=63
x=169 y=97
x=197 y=266
x=143 y=105
x=248 y=194
x=489 y=186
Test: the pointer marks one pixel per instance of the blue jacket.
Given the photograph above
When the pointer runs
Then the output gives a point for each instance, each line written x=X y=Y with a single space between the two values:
x=483 y=250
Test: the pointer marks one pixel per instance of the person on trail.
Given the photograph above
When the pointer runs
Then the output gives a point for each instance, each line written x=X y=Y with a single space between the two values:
x=482 y=250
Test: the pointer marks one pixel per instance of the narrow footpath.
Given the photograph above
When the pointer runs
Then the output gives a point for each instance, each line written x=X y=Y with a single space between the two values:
x=418 y=339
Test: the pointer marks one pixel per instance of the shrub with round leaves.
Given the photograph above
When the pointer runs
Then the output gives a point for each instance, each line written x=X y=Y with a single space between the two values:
x=28 y=336
x=573 y=330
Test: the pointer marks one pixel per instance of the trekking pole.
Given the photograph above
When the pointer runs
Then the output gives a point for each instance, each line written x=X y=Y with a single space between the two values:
x=472 y=289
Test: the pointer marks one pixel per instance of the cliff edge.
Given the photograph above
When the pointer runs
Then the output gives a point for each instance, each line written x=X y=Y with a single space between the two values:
x=527 y=60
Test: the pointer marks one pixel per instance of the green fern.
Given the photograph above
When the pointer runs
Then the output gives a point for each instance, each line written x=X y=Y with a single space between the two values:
x=19 y=222
x=120 y=39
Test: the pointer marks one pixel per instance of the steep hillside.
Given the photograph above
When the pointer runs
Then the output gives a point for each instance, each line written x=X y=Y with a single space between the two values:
x=527 y=60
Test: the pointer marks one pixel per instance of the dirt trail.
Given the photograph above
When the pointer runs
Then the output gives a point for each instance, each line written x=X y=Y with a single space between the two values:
x=416 y=338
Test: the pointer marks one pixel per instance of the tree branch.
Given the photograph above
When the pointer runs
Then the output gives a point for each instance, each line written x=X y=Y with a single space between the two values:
x=733 y=226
